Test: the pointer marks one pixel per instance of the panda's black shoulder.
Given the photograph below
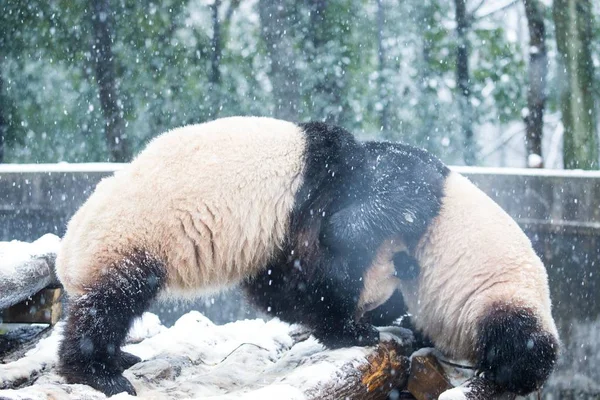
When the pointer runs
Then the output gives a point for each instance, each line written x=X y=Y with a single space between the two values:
x=406 y=157
x=331 y=147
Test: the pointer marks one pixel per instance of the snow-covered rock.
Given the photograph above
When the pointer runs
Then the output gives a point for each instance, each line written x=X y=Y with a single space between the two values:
x=26 y=268
x=249 y=359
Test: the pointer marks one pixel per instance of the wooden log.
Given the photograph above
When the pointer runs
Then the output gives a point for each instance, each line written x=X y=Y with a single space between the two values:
x=427 y=379
x=384 y=370
x=44 y=307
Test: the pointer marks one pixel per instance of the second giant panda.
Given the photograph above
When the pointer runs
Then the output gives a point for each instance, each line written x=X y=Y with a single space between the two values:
x=470 y=280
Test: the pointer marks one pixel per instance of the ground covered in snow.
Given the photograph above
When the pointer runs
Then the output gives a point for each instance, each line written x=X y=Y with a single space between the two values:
x=250 y=359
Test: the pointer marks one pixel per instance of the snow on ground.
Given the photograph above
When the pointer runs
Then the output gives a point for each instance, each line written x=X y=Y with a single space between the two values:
x=250 y=359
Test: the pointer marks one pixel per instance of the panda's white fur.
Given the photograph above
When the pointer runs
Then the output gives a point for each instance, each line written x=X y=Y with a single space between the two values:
x=247 y=172
x=472 y=257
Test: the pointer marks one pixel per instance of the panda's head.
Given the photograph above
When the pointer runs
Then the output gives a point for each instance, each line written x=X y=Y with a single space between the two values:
x=390 y=265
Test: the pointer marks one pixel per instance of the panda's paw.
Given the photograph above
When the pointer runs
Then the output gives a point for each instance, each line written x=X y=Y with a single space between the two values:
x=111 y=385
x=363 y=335
x=101 y=379
x=514 y=350
x=368 y=335
x=127 y=360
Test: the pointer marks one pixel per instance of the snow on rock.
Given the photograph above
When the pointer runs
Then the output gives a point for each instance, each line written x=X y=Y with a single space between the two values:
x=457 y=393
x=15 y=253
x=26 y=268
x=249 y=359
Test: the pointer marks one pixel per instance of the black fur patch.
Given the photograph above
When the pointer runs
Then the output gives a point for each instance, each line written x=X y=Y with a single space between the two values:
x=353 y=197
x=389 y=312
x=309 y=283
x=513 y=350
x=99 y=320
x=406 y=266
x=400 y=193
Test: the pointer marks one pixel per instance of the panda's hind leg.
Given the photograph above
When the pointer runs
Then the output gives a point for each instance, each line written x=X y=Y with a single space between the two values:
x=514 y=350
x=99 y=320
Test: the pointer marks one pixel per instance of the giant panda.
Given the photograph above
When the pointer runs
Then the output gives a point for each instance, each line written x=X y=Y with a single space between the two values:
x=207 y=206
x=312 y=224
x=470 y=280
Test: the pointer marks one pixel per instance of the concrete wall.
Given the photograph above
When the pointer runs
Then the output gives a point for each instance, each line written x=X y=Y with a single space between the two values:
x=559 y=210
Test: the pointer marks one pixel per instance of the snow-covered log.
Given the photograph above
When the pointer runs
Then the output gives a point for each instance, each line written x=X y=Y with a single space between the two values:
x=26 y=268
x=250 y=359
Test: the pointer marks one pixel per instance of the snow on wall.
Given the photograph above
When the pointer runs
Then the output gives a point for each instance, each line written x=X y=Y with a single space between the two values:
x=111 y=167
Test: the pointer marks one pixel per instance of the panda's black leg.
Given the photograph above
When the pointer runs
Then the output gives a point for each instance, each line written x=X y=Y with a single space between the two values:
x=99 y=320
x=389 y=312
x=337 y=306
x=325 y=301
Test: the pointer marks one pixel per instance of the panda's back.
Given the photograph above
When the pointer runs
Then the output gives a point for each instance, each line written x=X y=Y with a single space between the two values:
x=472 y=256
x=211 y=201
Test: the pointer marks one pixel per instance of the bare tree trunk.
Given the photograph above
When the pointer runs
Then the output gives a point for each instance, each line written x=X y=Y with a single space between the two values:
x=573 y=21
x=317 y=22
x=463 y=81
x=3 y=121
x=118 y=145
x=383 y=94
x=538 y=67
x=215 y=60
x=327 y=90
x=282 y=71
x=426 y=107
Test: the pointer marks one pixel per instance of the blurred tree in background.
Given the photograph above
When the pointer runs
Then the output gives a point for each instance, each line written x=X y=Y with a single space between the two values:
x=477 y=82
x=573 y=22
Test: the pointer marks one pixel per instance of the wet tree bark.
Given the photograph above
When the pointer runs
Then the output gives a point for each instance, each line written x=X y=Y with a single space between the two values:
x=114 y=130
x=381 y=53
x=538 y=67
x=426 y=109
x=386 y=367
x=3 y=121
x=327 y=89
x=215 y=59
x=220 y=30
x=573 y=22
x=282 y=72
x=463 y=81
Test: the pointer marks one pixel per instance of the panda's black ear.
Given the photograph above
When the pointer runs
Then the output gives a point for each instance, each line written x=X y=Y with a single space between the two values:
x=407 y=267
